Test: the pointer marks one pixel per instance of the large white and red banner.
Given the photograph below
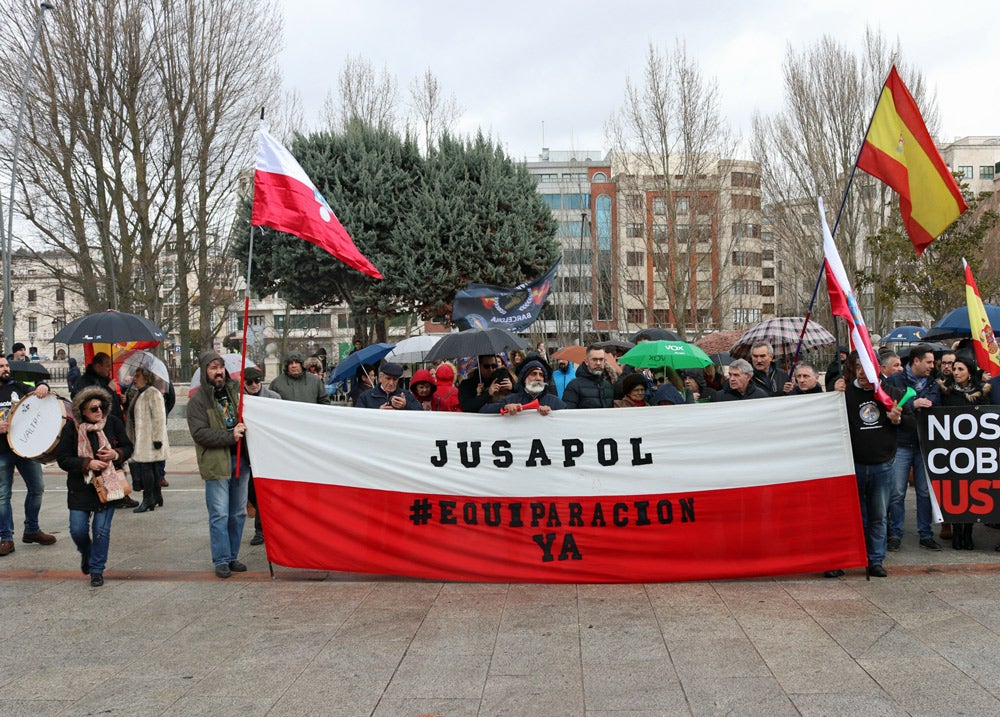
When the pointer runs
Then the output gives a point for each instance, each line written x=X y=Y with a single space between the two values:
x=651 y=494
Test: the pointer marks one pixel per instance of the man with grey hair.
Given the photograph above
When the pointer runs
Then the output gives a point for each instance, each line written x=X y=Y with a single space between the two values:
x=740 y=386
x=889 y=363
x=768 y=377
x=806 y=379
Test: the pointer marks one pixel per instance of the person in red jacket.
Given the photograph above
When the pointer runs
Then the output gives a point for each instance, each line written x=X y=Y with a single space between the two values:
x=446 y=396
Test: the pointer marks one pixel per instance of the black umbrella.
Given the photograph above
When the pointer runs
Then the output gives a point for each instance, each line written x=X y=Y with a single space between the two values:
x=28 y=371
x=109 y=327
x=615 y=345
x=654 y=334
x=475 y=342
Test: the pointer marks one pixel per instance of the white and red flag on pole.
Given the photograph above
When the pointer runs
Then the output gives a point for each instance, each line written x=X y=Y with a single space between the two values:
x=284 y=198
x=845 y=305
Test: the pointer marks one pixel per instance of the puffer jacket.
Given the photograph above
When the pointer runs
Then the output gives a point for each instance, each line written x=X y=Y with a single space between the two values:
x=588 y=390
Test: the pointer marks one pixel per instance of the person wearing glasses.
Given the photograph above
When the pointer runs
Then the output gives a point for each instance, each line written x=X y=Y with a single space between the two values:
x=387 y=393
x=92 y=451
x=146 y=423
x=253 y=385
x=481 y=386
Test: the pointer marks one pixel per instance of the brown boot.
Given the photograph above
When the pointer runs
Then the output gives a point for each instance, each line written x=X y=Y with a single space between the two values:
x=946 y=531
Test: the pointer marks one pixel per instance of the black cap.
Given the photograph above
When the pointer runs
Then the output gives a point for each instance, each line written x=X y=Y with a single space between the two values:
x=391 y=369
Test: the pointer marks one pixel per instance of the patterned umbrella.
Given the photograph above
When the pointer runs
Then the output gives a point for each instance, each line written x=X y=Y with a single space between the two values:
x=718 y=341
x=783 y=334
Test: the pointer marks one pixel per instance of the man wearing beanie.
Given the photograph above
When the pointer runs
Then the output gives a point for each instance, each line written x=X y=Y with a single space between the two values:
x=253 y=385
x=533 y=384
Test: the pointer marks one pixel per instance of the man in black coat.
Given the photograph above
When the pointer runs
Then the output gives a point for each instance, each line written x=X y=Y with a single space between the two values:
x=590 y=388
x=768 y=377
x=740 y=386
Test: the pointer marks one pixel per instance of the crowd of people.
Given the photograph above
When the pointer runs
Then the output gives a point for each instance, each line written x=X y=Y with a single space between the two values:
x=114 y=428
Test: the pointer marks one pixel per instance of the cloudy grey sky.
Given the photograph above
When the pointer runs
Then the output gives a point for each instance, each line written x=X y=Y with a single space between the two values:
x=517 y=64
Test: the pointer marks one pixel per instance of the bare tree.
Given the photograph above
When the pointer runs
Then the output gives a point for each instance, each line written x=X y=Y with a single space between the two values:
x=139 y=125
x=672 y=156
x=809 y=149
x=433 y=111
x=363 y=94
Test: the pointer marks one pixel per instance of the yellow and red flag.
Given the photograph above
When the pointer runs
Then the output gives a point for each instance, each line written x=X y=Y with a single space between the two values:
x=987 y=351
x=899 y=151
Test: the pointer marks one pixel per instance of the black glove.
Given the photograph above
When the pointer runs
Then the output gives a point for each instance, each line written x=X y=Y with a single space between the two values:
x=157 y=445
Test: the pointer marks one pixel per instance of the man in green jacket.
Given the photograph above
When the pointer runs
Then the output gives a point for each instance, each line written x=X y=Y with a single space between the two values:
x=296 y=384
x=216 y=429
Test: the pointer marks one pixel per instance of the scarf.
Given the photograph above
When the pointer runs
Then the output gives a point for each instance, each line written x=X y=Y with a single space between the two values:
x=112 y=480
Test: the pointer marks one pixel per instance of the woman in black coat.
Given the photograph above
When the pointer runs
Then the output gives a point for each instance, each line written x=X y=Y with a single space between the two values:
x=92 y=451
x=964 y=388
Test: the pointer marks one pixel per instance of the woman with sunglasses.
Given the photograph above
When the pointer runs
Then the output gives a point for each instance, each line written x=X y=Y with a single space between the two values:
x=92 y=451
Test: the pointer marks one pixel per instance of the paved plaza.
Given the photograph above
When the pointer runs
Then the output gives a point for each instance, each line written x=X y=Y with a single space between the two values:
x=165 y=636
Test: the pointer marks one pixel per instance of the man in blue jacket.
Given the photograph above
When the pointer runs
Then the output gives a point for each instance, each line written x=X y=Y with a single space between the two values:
x=916 y=374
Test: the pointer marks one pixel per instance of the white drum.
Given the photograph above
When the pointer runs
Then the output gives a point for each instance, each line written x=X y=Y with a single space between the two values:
x=35 y=424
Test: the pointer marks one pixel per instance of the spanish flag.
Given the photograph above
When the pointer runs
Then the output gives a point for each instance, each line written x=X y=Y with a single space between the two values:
x=900 y=152
x=987 y=351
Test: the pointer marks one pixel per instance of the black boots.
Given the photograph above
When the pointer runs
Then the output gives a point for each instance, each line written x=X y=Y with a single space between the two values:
x=961 y=536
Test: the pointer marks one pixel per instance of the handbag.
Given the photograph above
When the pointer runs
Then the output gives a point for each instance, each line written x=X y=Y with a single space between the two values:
x=102 y=491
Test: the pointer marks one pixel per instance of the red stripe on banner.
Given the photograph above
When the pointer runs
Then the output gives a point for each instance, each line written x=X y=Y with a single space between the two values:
x=808 y=526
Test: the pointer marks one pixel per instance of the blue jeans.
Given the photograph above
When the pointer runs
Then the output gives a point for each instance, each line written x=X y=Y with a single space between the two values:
x=31 y=472
x=907 y=456
x=874 y=484
x=96 y=545
x=227 y=512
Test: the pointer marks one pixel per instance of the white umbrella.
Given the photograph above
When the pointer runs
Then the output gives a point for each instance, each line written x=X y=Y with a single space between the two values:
x=232 y=361
x=135 y=359
x=413 y=349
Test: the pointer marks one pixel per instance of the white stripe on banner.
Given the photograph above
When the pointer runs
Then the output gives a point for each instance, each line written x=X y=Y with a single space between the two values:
x=603 y=452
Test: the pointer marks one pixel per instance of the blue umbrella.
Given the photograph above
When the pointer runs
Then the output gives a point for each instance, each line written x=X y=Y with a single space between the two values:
x=906 y=335
x=362 y=357
x=956 y=323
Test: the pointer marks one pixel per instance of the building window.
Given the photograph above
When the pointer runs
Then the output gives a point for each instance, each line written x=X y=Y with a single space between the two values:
x=661 y=232
x=32 y=325
x=633 y=231
x=577 y=256
x=636 y=316
x=600 y=177
x=60 y=294
x=746 y=258
x=746 y=231
x=965 y=170
x=682 y=207
x=767 y=290
x=635 y=258
x=767 y=309
x=746 y=201
x=746 y=316
x=746 y=179
x=633 y=202
x=986 y=171
x=659 y=205
x=548 y=177
x=767 y=255
x=661 y=317
x=746 y=287
x=32 y=296
x=635 y=286
x=342 y=321
x=767 y=272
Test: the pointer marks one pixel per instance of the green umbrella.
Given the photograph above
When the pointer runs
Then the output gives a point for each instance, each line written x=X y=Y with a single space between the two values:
x=657 y=354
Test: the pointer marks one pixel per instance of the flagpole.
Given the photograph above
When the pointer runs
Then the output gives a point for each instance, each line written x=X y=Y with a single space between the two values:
x=246 y=324
x=833 y=232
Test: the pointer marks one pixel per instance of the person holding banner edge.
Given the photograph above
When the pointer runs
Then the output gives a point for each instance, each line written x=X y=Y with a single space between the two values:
x=873 y=445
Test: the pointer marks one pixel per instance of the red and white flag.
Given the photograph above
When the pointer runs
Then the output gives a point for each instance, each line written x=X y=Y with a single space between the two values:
x=284 y=198
x=845 y=305
x=576 y=496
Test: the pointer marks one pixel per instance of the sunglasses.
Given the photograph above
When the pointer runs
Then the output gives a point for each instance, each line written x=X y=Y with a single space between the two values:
x=94 y=409
x=253 y=381
x=488 y=365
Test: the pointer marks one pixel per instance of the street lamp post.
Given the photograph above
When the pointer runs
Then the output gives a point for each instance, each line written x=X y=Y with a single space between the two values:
x=7 y=241
x=579 y=303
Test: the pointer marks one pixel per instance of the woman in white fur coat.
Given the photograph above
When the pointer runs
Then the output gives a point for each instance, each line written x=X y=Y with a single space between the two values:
x=147 y=427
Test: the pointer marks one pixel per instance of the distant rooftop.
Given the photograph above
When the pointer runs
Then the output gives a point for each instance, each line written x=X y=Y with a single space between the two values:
x=572 y=155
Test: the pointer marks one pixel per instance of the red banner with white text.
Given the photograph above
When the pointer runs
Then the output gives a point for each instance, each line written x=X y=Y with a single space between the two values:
x=651 y=494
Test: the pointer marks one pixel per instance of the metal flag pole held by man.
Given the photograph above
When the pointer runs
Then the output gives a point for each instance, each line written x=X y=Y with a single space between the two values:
x=285 y=199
